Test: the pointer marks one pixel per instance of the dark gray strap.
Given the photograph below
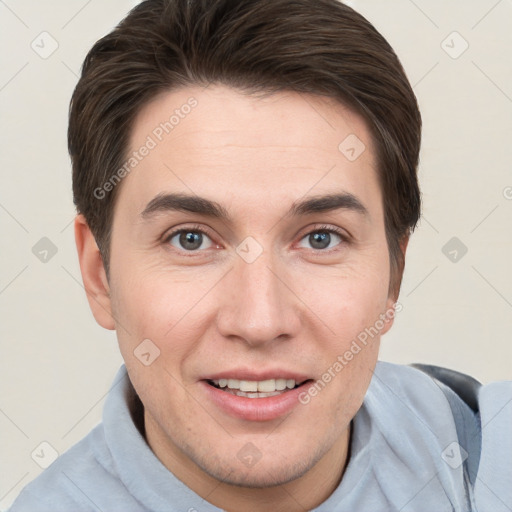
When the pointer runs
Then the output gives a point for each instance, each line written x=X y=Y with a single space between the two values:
x=465 y=386
x=455 y=384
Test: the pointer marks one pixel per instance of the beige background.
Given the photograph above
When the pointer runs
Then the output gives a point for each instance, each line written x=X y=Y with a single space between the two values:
x=57 y=364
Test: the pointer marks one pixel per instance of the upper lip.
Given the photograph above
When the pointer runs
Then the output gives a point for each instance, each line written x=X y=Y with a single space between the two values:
x=245 y=374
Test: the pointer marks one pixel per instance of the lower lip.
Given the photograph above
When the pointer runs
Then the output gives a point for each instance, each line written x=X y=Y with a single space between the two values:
x=254 y=409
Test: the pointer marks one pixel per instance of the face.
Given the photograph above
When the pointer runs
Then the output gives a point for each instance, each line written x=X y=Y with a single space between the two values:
x=249 y=251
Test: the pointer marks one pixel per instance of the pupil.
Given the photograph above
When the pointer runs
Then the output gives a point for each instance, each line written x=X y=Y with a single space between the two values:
x=190 y=240
x=320 y=240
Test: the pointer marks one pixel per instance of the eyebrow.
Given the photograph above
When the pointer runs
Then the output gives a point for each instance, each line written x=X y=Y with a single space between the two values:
x=194 y=204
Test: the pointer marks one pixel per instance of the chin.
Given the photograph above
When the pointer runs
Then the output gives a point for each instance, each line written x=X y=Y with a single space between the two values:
x=269 y=471
x=263 y=477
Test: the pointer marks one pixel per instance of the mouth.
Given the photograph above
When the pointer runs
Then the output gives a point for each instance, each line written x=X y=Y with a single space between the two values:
x=256 y=389
x=254 y=400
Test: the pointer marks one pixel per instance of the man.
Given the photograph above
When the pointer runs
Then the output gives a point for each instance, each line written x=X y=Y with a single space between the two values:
x=245 y=179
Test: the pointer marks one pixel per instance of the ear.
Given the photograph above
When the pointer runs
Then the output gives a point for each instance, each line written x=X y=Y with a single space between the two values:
x=93 y=274
x=393 y=293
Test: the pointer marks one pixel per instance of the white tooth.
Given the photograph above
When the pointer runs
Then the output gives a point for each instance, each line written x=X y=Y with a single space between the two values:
x=267 y=386
x=248 y=385
x=280 y=384
x=290 y=383
x=233 y=384
x=265 y=395
x=237 y=392
x=223 y=383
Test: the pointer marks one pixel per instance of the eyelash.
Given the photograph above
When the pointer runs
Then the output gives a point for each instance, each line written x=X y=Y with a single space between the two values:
x=198 y=229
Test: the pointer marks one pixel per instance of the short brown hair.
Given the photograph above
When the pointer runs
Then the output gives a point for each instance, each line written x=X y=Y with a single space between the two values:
x=320 y=47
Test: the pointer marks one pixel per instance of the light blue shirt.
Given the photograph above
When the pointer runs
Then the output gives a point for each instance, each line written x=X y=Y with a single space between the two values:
x=416 y=447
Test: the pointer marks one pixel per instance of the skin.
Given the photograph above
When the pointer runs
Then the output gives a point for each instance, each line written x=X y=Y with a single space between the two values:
x=296 y=307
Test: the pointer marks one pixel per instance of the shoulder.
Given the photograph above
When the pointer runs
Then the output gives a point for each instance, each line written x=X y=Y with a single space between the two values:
x=434 y=398
x=73 y=481
x=438 y=415
x=493 y=488
x=409 y=387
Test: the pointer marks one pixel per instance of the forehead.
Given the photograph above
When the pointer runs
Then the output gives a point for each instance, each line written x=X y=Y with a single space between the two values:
x=208 y=141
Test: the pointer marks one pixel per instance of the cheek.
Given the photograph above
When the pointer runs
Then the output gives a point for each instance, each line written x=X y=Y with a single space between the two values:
x=166 y=307
x=350 y=304
x=349 y=299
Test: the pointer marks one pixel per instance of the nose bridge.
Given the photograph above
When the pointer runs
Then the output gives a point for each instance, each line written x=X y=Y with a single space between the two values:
x=259 y=307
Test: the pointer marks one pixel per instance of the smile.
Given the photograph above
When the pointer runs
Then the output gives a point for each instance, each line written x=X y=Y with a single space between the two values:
x=254 y=400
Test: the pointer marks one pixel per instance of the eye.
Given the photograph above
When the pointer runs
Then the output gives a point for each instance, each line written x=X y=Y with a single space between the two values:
x=324 y=238
x=189 y=240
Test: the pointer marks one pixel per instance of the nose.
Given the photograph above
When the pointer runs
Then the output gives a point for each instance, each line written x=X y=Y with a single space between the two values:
x=258 y=304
